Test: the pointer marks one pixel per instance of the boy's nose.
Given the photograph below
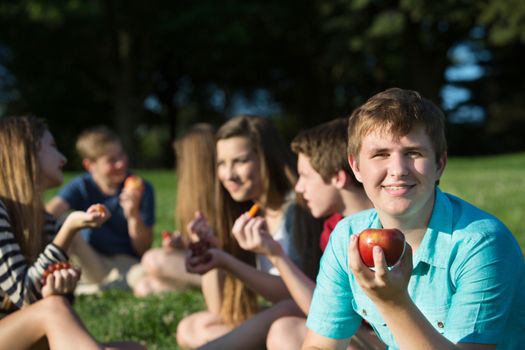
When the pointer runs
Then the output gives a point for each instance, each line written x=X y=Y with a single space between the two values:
x=398 y=165
x=299 y=186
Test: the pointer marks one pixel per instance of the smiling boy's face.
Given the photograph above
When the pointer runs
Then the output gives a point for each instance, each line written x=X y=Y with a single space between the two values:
x=399 y=174
x=323 y=199
x=112 y=166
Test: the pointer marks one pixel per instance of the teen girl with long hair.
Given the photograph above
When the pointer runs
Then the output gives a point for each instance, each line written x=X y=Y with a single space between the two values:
x=253 y=166
x=163 y=269
x=35 y=314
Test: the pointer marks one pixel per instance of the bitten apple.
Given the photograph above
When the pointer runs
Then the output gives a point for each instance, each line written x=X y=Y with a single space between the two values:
x=101 y=209
x=391 y=240
x=134 y=183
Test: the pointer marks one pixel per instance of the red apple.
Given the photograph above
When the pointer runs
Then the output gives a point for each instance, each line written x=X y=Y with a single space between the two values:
x=166 y=235
x=101 y=209
x=391 y=240
x=134 y=183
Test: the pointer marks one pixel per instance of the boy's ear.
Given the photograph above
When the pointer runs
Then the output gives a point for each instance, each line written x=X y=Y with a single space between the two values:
x=442 y=163
x=354 y=164
x=339 y=179
x=86 y=164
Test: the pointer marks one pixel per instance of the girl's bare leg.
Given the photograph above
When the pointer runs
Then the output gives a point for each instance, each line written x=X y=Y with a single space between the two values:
x=199 y=328
x=51 y=318
x=164 y=270
x=287 y=333
x=252 y=333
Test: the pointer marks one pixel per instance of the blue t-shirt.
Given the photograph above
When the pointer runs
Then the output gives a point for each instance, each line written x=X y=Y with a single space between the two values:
x=112 y=237
x=468 y=279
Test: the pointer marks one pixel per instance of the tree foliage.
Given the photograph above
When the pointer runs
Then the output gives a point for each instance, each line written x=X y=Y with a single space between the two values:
x=150 y=70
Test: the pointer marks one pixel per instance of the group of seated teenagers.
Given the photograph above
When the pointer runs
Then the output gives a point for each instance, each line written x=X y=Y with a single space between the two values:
x=378 y=168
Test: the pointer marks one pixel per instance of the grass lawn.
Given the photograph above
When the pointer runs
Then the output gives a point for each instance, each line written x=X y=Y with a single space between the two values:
x=495 y=184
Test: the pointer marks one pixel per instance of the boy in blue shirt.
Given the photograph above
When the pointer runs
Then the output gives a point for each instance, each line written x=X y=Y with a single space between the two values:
x=460 y=282
x=107 y=254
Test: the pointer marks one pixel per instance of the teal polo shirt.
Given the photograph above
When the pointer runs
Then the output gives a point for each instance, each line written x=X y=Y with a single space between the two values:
x=468 y=279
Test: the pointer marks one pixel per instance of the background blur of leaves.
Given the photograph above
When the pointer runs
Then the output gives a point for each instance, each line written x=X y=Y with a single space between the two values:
x=150 y=69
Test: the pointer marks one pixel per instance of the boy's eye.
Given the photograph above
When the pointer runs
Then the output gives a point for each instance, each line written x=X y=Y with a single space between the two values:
x=414 y=154
x=380 y=155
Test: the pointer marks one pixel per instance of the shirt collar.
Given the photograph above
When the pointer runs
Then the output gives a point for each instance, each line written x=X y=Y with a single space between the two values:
x=437 y=242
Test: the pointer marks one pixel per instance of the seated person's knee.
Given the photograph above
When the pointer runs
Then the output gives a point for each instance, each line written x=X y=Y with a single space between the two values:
x=151 y=262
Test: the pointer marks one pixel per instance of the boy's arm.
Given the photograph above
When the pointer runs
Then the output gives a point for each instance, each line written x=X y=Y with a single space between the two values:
x=57 y=207
x=388 y=290
x=141 y=235
x=413 y=331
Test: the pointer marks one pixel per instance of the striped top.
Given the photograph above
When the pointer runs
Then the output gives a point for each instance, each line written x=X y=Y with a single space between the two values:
x=18 y=280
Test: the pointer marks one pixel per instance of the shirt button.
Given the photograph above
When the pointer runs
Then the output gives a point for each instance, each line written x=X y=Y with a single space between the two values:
x=441 y=324
x=364 y=312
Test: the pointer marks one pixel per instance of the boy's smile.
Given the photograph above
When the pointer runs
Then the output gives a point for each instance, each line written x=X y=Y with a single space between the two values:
x=399 y=175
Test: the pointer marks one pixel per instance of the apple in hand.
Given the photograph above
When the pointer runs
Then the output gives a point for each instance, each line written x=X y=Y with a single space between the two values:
x=391 y=241
x=166 y=235
x=200 y=249
x=134 y=183
x=101 y=209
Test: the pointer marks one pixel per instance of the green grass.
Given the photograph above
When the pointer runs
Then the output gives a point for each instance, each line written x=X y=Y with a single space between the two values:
x=495 y=184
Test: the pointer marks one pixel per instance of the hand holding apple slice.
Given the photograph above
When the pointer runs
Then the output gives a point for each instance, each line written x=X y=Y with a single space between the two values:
x=254 y=210
x=100 y=209
x=391 y=241
x=172 y=240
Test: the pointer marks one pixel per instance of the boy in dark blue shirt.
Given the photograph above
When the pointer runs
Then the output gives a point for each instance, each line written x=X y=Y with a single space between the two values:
x=106 y=254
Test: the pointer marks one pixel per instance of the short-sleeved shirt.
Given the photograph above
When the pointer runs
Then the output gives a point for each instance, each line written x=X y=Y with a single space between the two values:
x=468 y=279
x=112 y=237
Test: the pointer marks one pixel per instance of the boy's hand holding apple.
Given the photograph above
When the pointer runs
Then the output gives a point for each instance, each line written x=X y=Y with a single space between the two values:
x=388 y=281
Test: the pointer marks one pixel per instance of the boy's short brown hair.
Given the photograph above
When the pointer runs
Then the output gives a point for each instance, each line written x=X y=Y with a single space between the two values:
x=397 y=111
x=93 y=143
x=325 y=146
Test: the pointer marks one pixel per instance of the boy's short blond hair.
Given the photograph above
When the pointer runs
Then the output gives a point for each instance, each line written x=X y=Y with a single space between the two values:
x=397 y=111
x=325 y=146
x=93 y=143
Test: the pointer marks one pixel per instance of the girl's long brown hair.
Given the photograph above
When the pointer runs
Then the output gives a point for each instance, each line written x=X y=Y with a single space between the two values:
x=279 y=175
x=195 y=154
x=19 y=181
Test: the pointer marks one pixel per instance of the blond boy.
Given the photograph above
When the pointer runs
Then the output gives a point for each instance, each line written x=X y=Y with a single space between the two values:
x=106 y=254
